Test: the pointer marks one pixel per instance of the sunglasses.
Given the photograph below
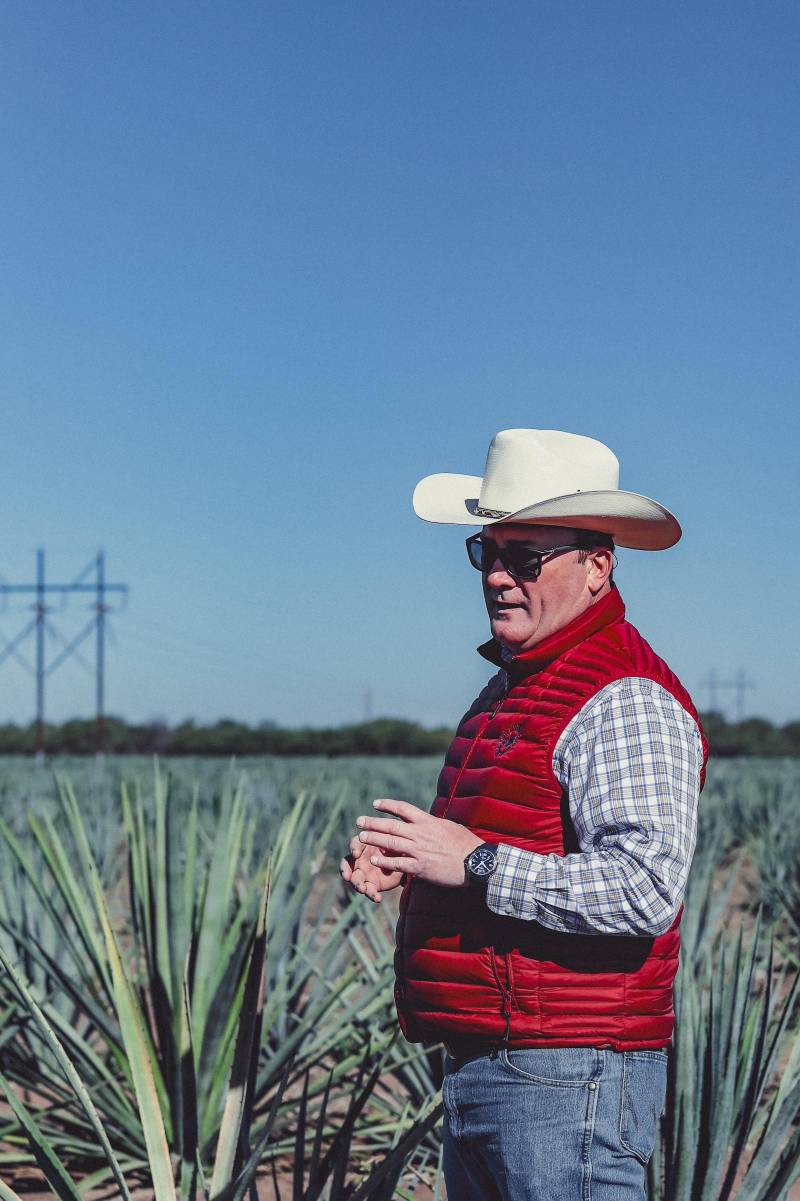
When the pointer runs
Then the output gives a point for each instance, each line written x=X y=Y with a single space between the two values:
x=520 y=561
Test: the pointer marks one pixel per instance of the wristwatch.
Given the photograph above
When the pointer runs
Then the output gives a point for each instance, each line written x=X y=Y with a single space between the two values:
x=479 y=865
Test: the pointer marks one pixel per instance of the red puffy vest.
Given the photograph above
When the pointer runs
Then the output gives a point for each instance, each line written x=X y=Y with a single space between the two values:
x=462 y=970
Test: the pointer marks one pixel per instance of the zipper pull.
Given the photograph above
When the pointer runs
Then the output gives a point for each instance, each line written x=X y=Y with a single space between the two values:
x=506 y=1011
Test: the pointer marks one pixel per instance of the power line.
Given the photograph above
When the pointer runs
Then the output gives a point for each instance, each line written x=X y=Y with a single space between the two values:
x=42 y=626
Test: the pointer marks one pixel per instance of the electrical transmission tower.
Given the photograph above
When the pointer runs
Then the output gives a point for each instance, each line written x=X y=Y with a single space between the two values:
x=713 y=684
x=42 y=626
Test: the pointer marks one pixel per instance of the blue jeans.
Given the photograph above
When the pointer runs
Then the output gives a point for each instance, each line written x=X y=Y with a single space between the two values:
x=551 y=1124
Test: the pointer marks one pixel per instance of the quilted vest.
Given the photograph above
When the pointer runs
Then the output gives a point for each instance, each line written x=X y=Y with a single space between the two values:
x=463 y=971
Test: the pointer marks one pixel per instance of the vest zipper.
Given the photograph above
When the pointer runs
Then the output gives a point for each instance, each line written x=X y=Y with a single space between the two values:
x=507 y=1016
x=503 y=694
x=474 y=743
x=506 y=1012
x=507 y=996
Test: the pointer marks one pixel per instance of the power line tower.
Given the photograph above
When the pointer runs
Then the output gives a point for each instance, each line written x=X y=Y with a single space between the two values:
x=713 y=685
x=42 y=625
x=741 y=684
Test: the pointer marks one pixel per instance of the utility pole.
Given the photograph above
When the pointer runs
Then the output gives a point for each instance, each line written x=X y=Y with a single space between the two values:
x=740 y=685
x=40 y=611
x=43 y=626
x=711 y=685
x=100 y=656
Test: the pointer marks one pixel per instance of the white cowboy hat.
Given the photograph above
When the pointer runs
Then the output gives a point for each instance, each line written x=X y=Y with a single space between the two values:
x=547 y=477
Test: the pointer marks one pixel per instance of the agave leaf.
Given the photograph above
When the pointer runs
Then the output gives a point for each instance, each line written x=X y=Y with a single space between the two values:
x=54 y=1171
x=104 y=959
x=236 y=1189
x=792 y=1067
x=706 y=906
x=752 y=1051
x=336 y=1158
x=287 y=833
x=785 y=1173
x=160 y=869
x=428 y=1119
x=34 y=877
x=81 y=1053
x=144 y=1069
x=225 y=1044
x=68 y=1069
x=224 y=861
x=246 y=1050
x=183 y=880
x=55 y=974
x=311 y=1017
x=438 y=1182
x=314 y=1167
x=141 y=898
x=777 y=1132
x=731 y=998
x=73 y=894
x=189 y=1130
x=298 y=1173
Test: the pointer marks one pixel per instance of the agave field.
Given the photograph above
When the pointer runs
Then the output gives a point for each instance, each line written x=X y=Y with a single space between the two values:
x=194 y=1008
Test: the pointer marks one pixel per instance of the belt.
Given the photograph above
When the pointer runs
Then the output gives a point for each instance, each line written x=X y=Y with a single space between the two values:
x=470 y=1048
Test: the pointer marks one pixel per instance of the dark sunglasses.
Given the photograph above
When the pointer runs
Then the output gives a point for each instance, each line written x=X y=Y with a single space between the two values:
x=520 y=561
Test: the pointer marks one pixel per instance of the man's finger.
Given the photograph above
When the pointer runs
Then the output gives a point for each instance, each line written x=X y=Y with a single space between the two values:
x=396 y=863
x=356 y=846
x=359 y=883
x=388 y=825
x=389 y=842
x=403 y=809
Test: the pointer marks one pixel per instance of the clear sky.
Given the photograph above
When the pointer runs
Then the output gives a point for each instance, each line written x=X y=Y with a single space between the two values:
x=265 y=265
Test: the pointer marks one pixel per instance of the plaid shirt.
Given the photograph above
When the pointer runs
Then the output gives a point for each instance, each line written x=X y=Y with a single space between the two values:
x=630 y=761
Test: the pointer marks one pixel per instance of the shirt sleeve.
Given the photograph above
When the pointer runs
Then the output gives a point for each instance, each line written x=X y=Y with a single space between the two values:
x=631 y=762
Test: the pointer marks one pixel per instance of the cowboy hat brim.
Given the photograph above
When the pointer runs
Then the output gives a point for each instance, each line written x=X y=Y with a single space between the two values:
x=631 y=519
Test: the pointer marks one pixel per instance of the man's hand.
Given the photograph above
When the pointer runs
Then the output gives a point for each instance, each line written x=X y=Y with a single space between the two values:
x=363 y=876
x=416 y=842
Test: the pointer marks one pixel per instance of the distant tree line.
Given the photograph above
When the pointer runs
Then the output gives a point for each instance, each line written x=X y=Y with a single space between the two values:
x=383 y=736
x=754 y=736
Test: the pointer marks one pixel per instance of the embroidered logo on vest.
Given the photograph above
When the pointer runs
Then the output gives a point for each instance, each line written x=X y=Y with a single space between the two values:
x=507 y=739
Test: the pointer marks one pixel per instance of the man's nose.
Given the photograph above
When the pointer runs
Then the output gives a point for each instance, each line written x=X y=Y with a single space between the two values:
x=498 y=576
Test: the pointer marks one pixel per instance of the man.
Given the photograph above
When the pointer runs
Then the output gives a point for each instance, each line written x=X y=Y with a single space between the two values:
x=538 y=936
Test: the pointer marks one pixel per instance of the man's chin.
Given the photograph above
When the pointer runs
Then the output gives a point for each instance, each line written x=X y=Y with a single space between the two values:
x=503 y=633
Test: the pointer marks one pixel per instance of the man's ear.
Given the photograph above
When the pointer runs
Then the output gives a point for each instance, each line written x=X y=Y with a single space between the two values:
x=600 y=564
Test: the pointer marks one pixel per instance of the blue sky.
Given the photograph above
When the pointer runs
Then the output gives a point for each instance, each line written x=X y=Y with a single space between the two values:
x=264 y=266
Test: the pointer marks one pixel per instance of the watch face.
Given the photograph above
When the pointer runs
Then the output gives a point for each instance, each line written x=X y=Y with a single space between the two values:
x=482 y=861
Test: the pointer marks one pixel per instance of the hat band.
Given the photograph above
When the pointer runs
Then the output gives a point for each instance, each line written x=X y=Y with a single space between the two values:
x=479 y=512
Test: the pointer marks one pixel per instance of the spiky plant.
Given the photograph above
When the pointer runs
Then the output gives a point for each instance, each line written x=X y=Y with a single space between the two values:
x=166 y=1046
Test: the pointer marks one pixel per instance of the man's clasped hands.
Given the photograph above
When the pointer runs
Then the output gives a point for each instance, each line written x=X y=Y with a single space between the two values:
x=409 y=842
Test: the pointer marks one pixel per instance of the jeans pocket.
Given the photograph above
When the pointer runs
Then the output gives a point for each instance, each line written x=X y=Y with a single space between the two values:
x=644 y=1092
x=565 y=1067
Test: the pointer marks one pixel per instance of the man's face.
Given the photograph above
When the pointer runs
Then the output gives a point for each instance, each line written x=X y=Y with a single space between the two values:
x=524 y=613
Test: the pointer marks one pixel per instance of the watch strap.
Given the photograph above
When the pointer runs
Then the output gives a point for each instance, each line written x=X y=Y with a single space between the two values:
x=479 y=879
